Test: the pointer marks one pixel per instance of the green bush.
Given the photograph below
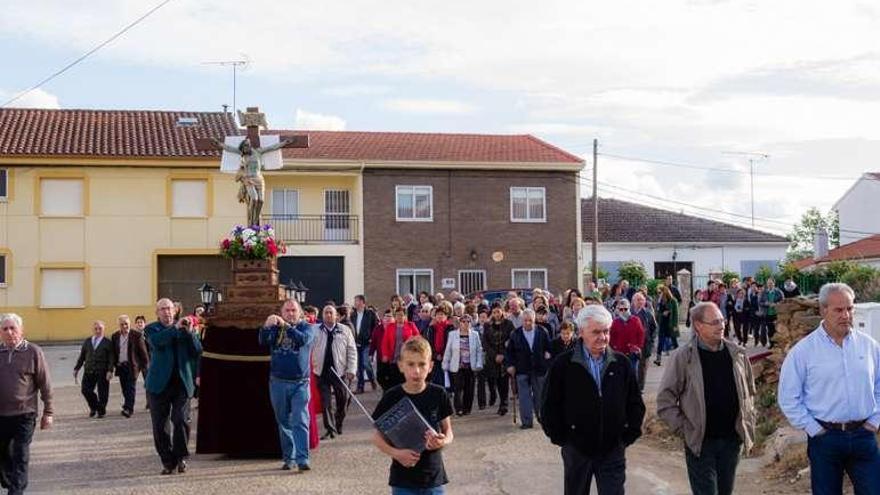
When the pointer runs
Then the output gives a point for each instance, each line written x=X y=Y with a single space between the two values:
x=763 y=273
x=727 y=276
x=633 y=271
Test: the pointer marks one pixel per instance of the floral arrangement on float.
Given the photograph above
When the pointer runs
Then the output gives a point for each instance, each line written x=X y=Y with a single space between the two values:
x=252 y=243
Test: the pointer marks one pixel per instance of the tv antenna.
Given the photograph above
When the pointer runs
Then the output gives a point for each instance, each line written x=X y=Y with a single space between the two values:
x=243 y=62
x=752 y=156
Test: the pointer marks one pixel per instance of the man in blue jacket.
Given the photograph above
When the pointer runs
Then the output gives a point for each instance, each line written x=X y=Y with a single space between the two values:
x=175 y=349
x=527 y=358
x=290 y=340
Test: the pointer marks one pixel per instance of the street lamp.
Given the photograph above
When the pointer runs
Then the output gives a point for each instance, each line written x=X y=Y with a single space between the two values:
x=303 y=292
x=291 y=290
x=206 y=292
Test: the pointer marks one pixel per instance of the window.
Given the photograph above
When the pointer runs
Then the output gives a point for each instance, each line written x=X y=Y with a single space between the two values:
x=528 y=278
x=528 y=204
x=4 y=184
x=2 y=269
x=61 y=197
x=415 y=203
x=470 y=281
x=189 y=198
x=413 y=281
x=285 y=202
x=62 y=288
x=337 y=206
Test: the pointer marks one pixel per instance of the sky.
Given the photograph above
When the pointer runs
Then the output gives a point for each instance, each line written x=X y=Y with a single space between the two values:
x=669 y=88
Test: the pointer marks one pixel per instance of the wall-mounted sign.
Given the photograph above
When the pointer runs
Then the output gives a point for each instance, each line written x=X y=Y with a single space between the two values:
x=448 y=283
x=497 y=256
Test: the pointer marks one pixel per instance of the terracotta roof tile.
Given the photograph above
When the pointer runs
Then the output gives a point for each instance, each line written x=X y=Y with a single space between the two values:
x=111 y=133
x=420 y=147
x=622 y=221
x=139 y=133
x=867 y=248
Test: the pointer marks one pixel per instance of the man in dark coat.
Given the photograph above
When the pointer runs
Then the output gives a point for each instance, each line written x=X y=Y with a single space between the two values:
x=130 y=356
x=363 y=322
x=96 y=354
x=592 y=408
x=527 y=357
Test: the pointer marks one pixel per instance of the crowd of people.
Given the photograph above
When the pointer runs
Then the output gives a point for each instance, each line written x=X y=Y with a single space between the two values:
x=574 y=364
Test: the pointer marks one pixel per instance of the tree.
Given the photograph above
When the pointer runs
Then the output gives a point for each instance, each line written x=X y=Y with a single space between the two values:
x=632 y=271
x=803 y=233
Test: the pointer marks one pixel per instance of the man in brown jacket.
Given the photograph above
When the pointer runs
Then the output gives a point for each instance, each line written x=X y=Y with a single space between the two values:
x=707 y=396
x=23 y=374
x=130 y=356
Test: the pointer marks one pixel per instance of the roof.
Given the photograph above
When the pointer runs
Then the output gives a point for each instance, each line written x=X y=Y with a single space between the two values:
x=867 y=248
x=143 y=133
x=622 y=221
x=427 y=147
x=109 y=133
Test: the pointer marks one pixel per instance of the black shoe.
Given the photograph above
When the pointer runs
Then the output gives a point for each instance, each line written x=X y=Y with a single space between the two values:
x=328 y=435
x=101 y=414
x=373 y=384
x=502 y=411
x=286 y=467
x=657 y=362
x=303 y=467
x=181 y=466
x=92 y=413
x=167 y=470
x=127 y=413
x=525 y=427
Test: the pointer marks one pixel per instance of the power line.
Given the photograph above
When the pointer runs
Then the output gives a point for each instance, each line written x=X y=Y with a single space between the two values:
x=85 y=55
x=725 y=170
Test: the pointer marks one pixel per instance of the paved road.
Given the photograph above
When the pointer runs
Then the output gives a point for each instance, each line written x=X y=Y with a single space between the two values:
x=489 y=456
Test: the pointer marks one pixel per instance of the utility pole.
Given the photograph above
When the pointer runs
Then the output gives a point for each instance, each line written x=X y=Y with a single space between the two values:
x=243 y=63
x=594 y=269
x=753 y=156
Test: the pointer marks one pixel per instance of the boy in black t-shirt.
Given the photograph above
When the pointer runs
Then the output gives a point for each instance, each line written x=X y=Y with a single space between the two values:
x=411 y=472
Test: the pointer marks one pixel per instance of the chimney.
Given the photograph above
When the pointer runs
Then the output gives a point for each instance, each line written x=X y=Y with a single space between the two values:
x=820 y=244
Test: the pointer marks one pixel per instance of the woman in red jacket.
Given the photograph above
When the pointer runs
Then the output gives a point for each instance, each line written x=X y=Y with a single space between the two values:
x=627 y=333
x=393 y=337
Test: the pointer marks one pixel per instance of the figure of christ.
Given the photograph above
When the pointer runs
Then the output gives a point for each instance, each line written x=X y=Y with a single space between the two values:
x=250 y=174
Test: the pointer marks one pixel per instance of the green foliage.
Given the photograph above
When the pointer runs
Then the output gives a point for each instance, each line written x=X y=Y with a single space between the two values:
x=763 y=273
x=727 y=276
x=632 y=271
x=601 y=274
x=802 y=234
x=652 y=286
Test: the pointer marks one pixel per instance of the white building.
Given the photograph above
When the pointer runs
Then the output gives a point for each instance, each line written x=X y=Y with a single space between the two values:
x=666 y=242
x=858 y=209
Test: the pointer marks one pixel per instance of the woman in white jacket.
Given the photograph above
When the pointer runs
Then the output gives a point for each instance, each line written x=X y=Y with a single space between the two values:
x=463 y=358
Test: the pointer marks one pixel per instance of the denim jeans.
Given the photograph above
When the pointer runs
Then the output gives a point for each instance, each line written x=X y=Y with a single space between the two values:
x=437 y=490
x=714 y=471
x=835 y=452
x=290 y=401
x=529 y=388
x=364 y=367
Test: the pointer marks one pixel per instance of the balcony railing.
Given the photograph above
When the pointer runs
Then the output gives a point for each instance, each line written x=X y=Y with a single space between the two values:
x=315 y=229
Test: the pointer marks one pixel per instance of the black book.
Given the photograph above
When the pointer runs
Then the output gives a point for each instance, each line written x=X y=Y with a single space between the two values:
x=403 y=426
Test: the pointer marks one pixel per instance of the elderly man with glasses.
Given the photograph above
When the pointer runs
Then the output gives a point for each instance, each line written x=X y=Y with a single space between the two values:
x=707 y=397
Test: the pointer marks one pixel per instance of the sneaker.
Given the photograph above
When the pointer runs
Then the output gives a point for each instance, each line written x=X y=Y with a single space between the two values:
x=303 y=467
x=181 y=466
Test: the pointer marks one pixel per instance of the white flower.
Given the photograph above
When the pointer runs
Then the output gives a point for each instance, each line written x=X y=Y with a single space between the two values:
x=247 y=234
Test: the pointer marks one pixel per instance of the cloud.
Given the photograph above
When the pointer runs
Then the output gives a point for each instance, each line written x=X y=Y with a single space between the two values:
x=37 y=98
x=317 y=121
x=428 y=106
x=352 y=90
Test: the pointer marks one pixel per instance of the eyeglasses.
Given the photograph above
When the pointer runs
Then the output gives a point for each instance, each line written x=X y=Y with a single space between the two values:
x=623 y=308
x=714 y=323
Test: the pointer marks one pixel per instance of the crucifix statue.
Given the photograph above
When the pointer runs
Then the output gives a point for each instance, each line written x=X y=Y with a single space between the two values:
x=252 y=158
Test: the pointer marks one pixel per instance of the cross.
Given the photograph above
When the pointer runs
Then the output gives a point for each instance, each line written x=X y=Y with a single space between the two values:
x=252 y=119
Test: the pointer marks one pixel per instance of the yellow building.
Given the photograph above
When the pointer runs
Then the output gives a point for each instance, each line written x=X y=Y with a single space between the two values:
x=102 y=211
